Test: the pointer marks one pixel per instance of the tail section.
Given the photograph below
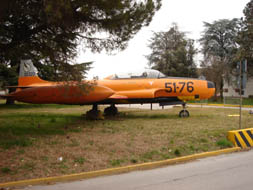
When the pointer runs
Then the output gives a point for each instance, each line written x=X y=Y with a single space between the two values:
x=28 y=74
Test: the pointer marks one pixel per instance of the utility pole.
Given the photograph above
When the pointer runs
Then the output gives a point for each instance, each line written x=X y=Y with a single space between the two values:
x=243 y=84
x=240 y=118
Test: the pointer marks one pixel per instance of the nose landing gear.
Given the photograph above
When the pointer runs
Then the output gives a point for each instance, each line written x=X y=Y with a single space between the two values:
x=184 y=112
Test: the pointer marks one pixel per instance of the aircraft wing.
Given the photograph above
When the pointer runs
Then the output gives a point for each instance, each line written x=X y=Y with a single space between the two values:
x=162 y=96
x=136 y=94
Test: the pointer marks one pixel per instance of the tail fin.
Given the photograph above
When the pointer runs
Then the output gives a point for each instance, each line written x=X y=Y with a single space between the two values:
x=28 y=74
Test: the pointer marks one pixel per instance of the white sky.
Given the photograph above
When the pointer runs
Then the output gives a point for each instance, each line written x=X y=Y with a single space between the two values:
x=188 y=14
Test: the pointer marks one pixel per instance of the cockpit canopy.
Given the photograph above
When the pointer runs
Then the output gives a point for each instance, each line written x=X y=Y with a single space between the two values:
x=139 y=74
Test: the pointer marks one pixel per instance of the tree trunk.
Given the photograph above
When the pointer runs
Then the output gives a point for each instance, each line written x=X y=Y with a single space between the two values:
x=10 y=101
x=221 y=88
x=214 y=98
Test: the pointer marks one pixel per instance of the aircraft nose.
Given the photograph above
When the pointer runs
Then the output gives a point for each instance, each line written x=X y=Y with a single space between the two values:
x=211 y=89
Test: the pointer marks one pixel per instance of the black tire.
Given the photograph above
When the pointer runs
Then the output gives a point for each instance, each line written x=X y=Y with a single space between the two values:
x=184 y=113
x=94 y=115
x=111 y=111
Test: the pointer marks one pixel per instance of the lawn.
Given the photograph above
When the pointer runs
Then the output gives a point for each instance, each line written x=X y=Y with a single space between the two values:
x=50 y=140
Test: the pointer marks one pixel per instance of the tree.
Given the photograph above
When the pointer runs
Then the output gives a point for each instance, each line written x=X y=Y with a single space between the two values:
x=48 y=32
x=213 y=70
x=220 y=48
x=172 y=53
x=245 y=37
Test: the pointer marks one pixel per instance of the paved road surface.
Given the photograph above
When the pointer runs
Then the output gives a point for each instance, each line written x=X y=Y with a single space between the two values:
x=225 y=172
x=157 y=107
x=144 y=106
x=222 y=107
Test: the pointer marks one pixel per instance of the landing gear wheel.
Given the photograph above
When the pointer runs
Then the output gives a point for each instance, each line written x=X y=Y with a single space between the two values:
x=184 y=113
x=111 y=111
x=94 y=114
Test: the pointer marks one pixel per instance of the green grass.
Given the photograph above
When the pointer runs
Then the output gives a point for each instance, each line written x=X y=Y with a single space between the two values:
x=16 y=129
x=248 y=101
x=224 y=143
x=32 y=139
x=5 y=170
x=20 y=105
x=28 y=166
x=116 y=162
x=150 y=155
x=80 y=160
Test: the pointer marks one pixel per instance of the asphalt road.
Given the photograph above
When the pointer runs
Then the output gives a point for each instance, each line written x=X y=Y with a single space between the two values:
x=225 y=172
x=157 y=107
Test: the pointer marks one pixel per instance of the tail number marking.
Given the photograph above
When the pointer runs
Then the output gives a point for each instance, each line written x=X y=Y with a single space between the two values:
x=179 y=87
x=29 y=73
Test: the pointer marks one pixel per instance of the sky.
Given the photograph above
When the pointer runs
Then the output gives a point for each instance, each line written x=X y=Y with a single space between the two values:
x=188 y=14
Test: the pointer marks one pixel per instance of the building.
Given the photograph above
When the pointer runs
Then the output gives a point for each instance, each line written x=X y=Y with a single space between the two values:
x=232 y=90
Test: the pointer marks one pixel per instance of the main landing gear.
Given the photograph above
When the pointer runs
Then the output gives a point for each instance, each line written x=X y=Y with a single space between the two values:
x=111 y=111
x=184 y=112
x=95 y=114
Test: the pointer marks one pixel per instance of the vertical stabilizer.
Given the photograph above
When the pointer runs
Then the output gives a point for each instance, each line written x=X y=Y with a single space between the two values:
x=28 y=74
x=27 y=69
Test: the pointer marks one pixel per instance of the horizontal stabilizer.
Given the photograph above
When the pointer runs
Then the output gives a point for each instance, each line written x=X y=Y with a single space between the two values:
x=5 y=96
x=20 y=86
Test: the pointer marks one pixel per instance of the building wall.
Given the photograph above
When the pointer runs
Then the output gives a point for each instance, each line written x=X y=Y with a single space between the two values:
x=232 y=91
x=3 y=92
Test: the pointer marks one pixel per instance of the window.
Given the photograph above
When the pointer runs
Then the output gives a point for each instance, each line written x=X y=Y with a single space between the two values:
x=147 y=73
x=225 y=90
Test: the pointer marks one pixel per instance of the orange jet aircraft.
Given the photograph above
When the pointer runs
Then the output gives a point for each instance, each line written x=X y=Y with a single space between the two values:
x=147 y=86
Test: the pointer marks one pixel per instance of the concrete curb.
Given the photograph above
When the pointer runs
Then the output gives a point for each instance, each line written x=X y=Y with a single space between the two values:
x=113 y=171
